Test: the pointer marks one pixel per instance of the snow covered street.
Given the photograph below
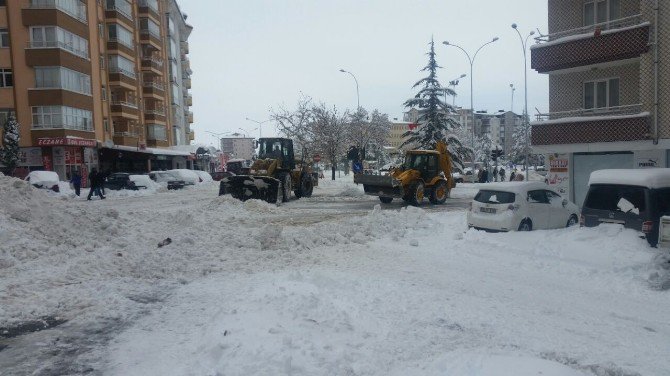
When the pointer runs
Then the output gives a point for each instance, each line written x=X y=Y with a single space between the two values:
x=330 y=285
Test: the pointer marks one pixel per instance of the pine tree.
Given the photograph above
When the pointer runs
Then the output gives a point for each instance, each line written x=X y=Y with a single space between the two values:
x=435 y=124
x=9 y=155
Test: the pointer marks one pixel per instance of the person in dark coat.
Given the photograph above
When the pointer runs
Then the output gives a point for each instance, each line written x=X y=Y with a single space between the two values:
x=502 y=174
x=76 y=182
x=96 y=180
x=495 y=173
x=512 y=175
x=484 y=178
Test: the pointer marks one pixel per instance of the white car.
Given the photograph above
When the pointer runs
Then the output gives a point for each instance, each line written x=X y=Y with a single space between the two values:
x=204 y=176
x=522 y=206
x=44 y=179
x=188 y=176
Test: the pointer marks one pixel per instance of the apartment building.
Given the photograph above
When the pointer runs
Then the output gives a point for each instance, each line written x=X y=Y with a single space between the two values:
x=180 y=73
x=238 y=147
x=608 y=63
x=86 y=80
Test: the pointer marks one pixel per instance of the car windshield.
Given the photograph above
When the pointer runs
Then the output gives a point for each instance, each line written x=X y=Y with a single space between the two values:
x=621 y=198
x=495 y=197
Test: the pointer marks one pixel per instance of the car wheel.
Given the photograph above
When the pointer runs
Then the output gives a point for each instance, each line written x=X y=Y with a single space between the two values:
x=385 y=200
x=572 y=221
x=526 y=225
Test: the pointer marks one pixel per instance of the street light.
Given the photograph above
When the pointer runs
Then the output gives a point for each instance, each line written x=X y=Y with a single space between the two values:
x=358 y=98
x=513 y=89
x=246 y=133
x=472 y=106
x=453 y=83
x=524 y=44
x=259 y=125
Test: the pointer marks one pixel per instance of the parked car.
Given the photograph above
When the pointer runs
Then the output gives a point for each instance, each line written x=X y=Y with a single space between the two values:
x=466 y=177
x=218 y=175
x=141 y=181
x=44 y=180
x=167 y=178
x=204 y=176
x=636 y=199
x=122 y=180
x=188 y=176
x=522 y=206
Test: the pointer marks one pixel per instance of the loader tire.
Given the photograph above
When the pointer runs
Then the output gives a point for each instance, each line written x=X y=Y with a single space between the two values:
x=416 y=191
x=286 y=187
x=439 y=194
x=306 y=187
x=385 y=200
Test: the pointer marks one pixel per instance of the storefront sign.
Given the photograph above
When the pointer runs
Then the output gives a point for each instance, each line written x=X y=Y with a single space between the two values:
x=647 y=162
x=65 y=141
x=46 y=162
x=558 y=176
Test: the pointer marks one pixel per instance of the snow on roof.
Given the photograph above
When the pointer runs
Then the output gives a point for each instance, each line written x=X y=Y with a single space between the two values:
x=514 y=187
x=156 y=151
x=647 y=177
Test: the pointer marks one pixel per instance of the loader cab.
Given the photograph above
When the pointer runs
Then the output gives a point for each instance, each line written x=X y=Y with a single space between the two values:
x=277 y=148
x=425 y=163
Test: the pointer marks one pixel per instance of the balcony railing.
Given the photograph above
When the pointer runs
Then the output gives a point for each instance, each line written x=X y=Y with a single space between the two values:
x=76 y=127
x=74 y=8
x=566 y=35
x=124 y=72
x=607 y=111
x=130 y=45
x=153 y=33
x=122 y=7
x=151 y=4
x=153 y=60
x=126 y=103
x=153 y=84
x=57 y=44
x=153 y=111
x=126 y=134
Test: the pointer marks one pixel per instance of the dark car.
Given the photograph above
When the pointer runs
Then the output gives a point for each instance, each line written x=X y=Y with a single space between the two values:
x=635 y=199
x=218 y=175
x=120 y=180
x=172 y=181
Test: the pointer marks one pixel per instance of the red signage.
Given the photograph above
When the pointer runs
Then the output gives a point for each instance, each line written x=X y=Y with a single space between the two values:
x=46 y=162
x=65 y=141
x=412 y=126
x=317 y=158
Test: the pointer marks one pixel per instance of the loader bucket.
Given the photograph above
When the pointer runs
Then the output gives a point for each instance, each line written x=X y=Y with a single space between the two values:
x=246 y=187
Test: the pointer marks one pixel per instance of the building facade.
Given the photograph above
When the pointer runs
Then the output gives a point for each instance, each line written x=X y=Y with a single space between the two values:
x=86 y=80
x=608 y=63
x=238 y=147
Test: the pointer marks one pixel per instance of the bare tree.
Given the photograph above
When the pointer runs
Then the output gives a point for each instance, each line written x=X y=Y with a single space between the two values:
x=368 y=131
x=297 y=124
x=329 y=129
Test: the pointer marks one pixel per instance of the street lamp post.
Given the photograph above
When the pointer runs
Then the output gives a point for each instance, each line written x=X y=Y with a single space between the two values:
x=472 y=107
x=453 y=84
x=358 y=98
x=259 y=125
x=524 y=44
x=513 y=89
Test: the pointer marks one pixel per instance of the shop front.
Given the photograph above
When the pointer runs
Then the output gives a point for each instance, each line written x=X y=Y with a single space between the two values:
x=119 y=158
x=63 y=155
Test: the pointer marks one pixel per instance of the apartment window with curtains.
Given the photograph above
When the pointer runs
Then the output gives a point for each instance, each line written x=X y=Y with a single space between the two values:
x=601 y=11
x=601 y=93
x=62 y=78
x=118 y=33
x=55 y=37
x=64 y=117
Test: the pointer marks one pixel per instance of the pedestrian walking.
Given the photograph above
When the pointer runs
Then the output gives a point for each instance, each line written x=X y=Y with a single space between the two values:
x=76 y=182
x=502 y=174
x=96 y=180
x=495 y=173
x=512 y=175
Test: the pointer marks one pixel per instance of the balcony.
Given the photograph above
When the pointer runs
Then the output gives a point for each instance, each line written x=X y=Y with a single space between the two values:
x=184 y=47
x=151 y=39
x=126 y=138
x=189 y=116
x=614 y=124
x=122 y=78
x=126 y=109
x=189 y=100
x=154 y=115
x=187 y=83
x=120 y=10
x=153 y=89
x=191 y=136
x=149 y=7
x=42 y=8
x=117 y=45
x=621 y=39
x=154 y=64
x=48 y=54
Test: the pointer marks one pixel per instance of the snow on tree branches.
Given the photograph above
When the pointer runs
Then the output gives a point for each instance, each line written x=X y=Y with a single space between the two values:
x=435 y=124
x=9 y=155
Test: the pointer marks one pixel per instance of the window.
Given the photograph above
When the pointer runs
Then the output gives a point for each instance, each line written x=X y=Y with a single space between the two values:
x=45 y=117
x=5 y=113
x=102 y=61
x=4 y=38
x=101 y=30
x=156 y=132
x=121 y=6
x=74 y=8
x=601 y=11
x=537 y=197
x=601 y=94
x=104 y=92
x=119 y=64
x=105 y=123
x=495 y=197
x=2 y=4
x=6 y=78
x=150 y=26
x=118 y=33
x=62 y=78
x=613 y=197
x=55 y=37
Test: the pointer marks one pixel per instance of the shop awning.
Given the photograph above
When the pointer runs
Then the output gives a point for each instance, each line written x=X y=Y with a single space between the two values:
x=154 y=151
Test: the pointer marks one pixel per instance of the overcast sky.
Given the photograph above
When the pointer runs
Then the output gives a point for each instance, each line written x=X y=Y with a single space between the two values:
x=248 y=56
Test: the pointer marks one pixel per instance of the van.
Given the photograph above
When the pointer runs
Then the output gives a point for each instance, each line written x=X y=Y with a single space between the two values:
x=636 y=199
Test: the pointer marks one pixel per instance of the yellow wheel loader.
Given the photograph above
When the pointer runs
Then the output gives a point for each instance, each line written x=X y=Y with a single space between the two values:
x=425 y=173
x=273 y=176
